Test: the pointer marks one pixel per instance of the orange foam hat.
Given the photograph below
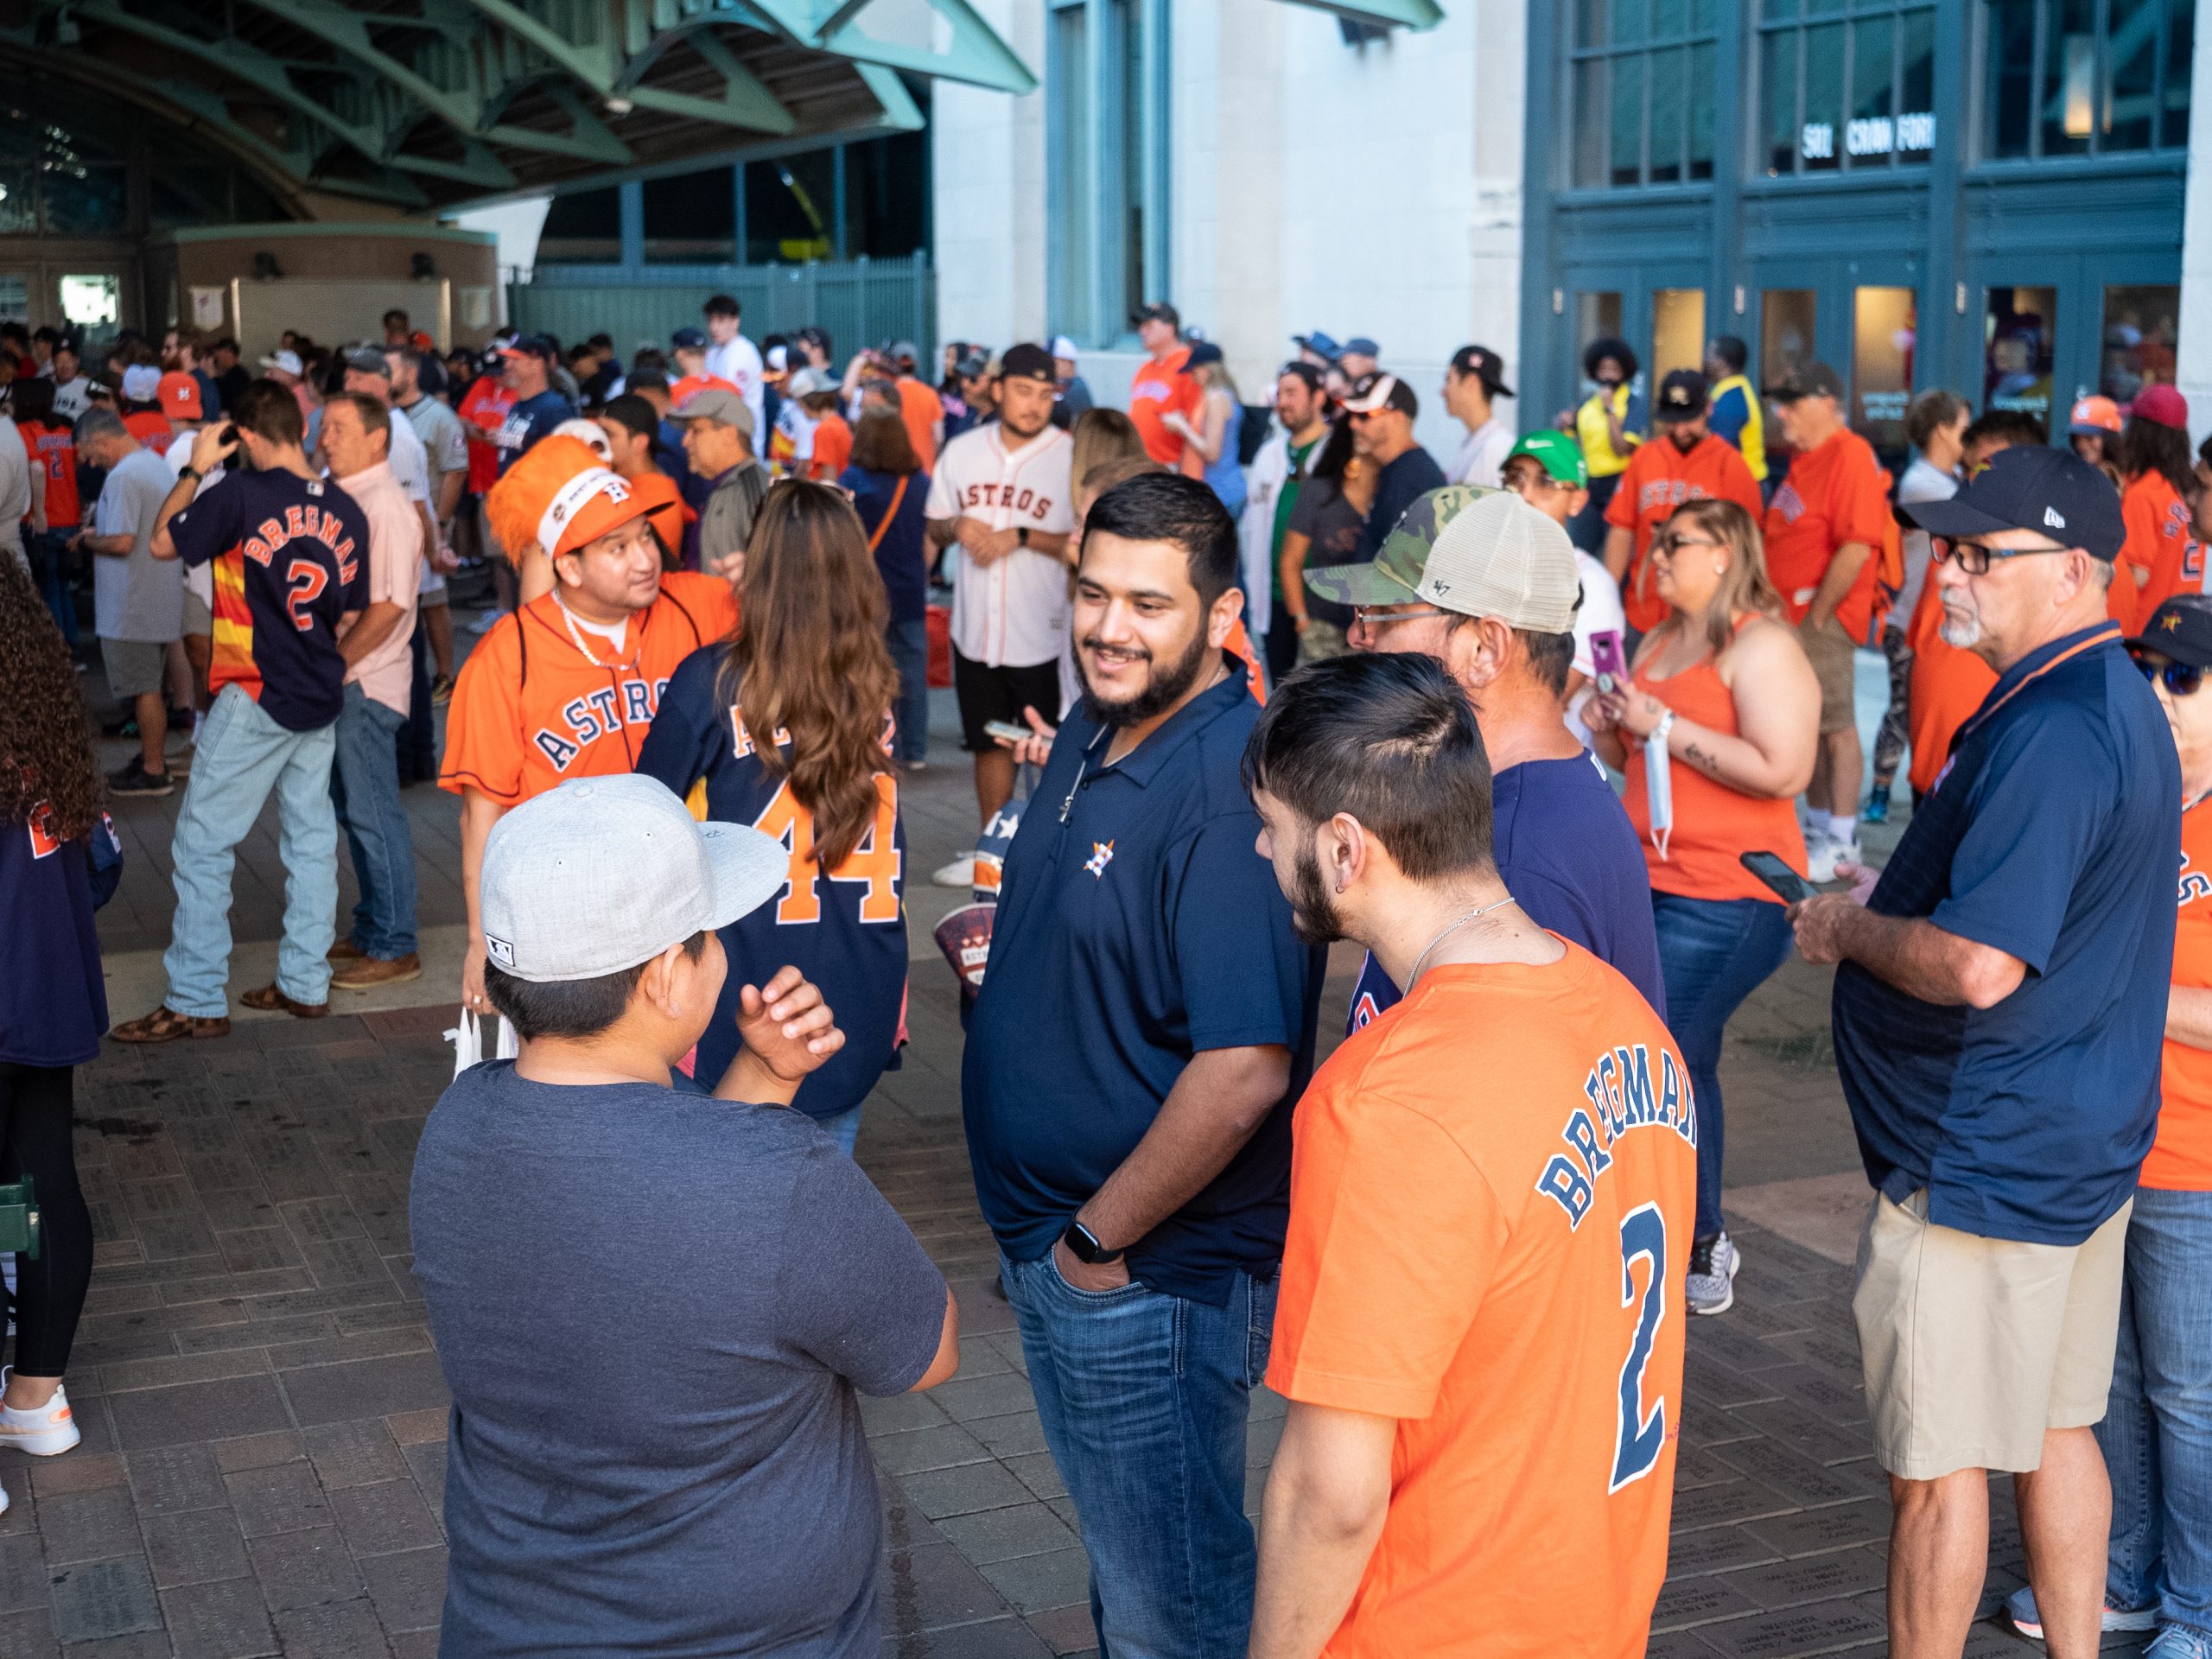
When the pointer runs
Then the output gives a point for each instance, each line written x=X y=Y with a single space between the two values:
x=559 y=495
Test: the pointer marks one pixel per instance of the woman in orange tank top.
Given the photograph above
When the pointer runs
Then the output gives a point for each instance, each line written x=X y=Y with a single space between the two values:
x=1724 y=685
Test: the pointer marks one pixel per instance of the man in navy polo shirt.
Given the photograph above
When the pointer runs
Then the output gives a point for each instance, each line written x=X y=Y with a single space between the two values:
x=1147 y=1022
x=1999 y=1006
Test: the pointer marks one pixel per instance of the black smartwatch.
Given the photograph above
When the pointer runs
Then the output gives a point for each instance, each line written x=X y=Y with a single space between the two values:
x=1084 y=1245
x=190 y=472
x=1021 y=537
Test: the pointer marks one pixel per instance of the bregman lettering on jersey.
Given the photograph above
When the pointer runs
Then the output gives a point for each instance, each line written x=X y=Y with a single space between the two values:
x=1492 y=1192
x=291 y=560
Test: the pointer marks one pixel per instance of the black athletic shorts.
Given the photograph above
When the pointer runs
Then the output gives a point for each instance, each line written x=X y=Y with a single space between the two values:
x=987 y=694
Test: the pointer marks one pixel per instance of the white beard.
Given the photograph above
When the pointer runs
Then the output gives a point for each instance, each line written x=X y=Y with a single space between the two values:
x=1961 y=632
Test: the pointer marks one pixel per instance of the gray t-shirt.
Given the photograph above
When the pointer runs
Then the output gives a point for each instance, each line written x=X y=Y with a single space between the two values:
x=652 y=1309
x=141 y=597
x=444 y=441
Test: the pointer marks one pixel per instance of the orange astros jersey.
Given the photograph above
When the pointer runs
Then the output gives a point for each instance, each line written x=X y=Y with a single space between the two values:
x=531 y=712
x=1491 y=1194
x=2181 y=1157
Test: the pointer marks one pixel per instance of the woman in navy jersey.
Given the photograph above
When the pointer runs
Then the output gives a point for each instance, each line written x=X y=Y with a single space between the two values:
x=786 y=725
x=52 y=1001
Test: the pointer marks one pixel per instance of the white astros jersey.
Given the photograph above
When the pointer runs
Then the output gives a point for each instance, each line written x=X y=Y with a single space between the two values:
x=1012 y=612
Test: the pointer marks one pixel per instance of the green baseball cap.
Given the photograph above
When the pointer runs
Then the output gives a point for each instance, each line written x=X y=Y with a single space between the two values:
x=1557 y=454
x=1473 y=551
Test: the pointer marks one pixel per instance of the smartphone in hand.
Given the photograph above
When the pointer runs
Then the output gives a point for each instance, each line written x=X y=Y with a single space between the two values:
x=1789 y=886
x=1006 y=731
x=1608 y=662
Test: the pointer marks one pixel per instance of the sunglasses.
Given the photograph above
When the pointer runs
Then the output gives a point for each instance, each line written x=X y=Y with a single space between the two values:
x=1975 y=557
x=2181 y=680
x=1671 y=545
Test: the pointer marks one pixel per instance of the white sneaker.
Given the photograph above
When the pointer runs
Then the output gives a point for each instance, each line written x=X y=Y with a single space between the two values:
x=1711 y=1287
x=2020 y=1608
x=960 y=872
x=1824 y=855
x=46 y=1433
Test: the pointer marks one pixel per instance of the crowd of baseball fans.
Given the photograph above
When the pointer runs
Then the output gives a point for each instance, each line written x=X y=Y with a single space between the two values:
x=1561 y=728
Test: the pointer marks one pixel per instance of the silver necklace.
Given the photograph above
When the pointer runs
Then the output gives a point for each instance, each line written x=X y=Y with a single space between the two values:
x=576 y=638
x=1449 y=929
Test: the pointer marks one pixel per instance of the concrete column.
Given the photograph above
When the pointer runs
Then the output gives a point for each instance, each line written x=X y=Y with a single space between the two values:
x=987 y=186
x=2193 y=366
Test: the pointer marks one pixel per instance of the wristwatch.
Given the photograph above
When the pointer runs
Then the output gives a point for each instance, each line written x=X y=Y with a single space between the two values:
x=1021 y=537
x=189 y=470
x=1084 y=1245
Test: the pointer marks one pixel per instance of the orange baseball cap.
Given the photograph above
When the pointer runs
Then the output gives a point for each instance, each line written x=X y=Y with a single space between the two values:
x=2092 y=415
x=559 y=496
x=178 y=395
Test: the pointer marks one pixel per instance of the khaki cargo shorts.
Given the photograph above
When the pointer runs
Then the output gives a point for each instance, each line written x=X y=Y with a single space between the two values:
x=1829 y=651
x=1973 y=1348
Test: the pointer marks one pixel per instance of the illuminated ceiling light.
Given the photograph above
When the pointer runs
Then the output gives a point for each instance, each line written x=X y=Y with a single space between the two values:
x=618 y=105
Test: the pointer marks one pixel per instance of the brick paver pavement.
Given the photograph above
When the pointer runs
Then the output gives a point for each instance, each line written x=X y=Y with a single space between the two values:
x=264 y=1423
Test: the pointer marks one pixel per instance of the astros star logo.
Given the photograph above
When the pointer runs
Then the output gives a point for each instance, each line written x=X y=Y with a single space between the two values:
x=1101 y=855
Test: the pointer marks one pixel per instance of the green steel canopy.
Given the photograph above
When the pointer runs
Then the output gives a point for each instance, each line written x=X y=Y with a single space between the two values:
x=425 y=104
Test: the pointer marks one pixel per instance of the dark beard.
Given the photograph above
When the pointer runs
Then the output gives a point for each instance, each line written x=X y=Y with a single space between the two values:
x=1677 y=437
x=1158 y=696
x=1313 y=909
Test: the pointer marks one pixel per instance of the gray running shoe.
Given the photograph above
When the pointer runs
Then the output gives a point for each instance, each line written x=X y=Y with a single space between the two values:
x=1712 y=1288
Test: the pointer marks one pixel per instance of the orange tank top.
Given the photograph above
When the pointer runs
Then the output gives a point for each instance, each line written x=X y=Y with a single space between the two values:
x=1713 y=823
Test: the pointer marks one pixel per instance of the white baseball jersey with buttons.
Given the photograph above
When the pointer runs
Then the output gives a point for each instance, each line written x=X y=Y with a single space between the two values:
x=1013 y=612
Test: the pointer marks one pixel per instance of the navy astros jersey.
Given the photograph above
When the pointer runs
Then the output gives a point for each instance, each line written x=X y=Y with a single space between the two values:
x=846 y=930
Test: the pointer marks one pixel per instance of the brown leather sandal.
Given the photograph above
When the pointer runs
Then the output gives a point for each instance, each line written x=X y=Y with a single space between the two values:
x=165 y=1025
x=270 y=999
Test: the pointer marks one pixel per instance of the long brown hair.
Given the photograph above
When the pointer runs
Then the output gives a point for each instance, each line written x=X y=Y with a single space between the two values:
x=808 y=658
x=1744 y=586
x=882 y=444
x=46 y=754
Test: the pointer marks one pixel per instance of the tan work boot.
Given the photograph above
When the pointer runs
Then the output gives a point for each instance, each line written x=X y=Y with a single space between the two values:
x=369 y=972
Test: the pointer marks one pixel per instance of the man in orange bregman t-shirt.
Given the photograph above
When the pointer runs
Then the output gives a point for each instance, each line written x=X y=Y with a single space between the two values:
x=1479 y=1324
x=566 y=685
x=1160 y=387
x=1692 y=465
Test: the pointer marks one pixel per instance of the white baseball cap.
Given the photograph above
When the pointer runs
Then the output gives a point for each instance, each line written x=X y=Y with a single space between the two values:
x=288 y=361
x=141 y=383
x=603 y=874
x=1064 y=347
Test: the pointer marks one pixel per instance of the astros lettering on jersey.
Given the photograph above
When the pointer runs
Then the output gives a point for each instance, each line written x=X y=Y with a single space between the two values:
x=1013 y=611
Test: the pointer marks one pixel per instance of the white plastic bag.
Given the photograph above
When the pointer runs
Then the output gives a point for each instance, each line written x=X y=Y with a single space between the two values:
x=467 y=1041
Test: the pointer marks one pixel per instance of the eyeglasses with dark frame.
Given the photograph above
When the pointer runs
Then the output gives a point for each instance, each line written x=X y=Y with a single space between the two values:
x=1975 y=557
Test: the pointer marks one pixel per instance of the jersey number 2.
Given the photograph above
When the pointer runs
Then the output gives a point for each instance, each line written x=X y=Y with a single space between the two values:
x=305 y=581
x=873 y=862
x=1643 y=1233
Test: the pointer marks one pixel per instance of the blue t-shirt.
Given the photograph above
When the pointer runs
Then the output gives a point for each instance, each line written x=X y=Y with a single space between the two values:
x=652 y=1310
x=1136 y=928
x=291 y=559
x=1568 y=856
x=527 y=422
x=55 y=1007
x=902 y=553
x=1732 y=412
x=2054 y=836
x=846 y=931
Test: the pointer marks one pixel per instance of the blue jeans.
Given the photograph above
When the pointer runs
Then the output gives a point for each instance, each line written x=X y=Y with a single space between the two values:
x=2157 y=1434
x=1712 y=953
x=1143 y=1397
x=243 y=756
x=364 y=788
x=48 y=554
x=910 y=651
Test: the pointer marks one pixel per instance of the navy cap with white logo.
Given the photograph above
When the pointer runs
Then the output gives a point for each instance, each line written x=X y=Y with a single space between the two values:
x=2053 y=492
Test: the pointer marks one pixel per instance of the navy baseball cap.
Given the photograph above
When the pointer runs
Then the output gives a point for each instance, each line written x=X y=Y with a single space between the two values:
x=689 y=339
x=2181 y=629
x=1026 y=362
x=1361 y=347
x=1317 y=343
x=1204 y=352
x=1681 y=397
x=2053 y=492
